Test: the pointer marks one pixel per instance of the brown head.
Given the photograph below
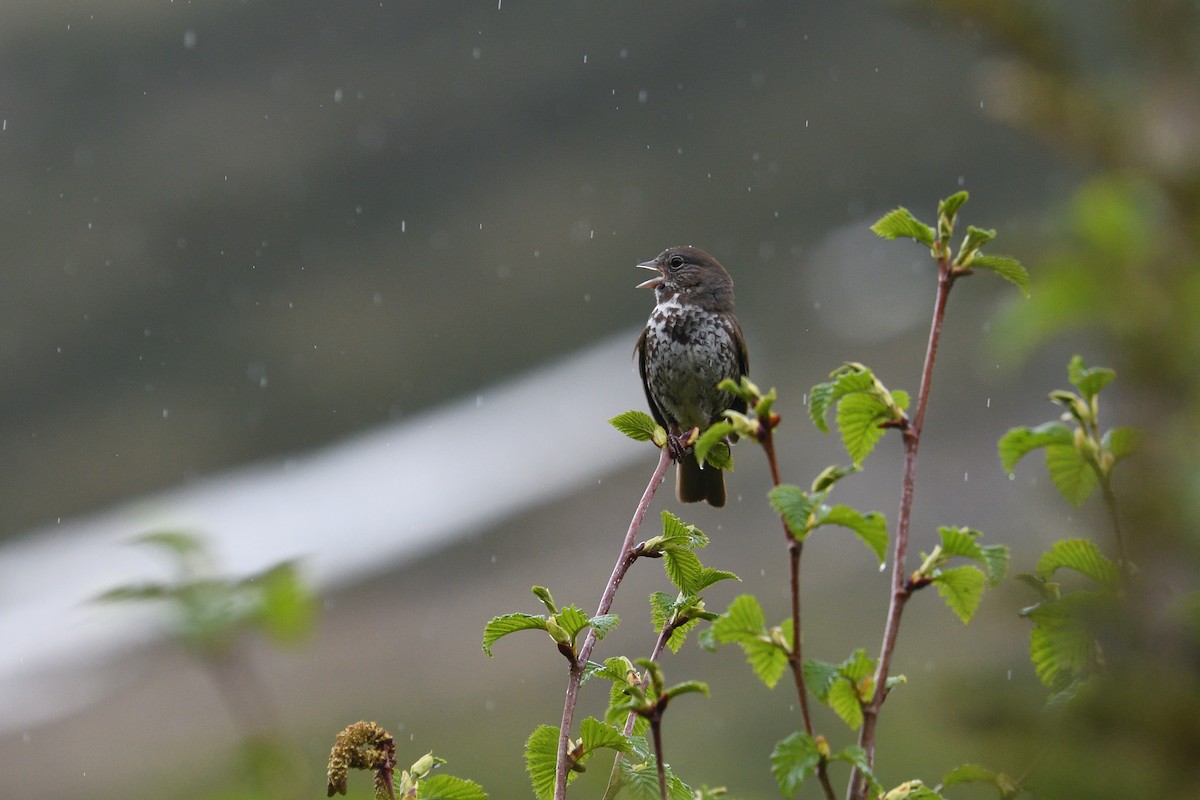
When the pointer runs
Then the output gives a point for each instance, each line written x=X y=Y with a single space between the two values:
x=691 y=276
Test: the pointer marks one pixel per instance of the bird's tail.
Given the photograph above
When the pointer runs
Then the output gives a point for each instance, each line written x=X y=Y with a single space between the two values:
x=693 y=484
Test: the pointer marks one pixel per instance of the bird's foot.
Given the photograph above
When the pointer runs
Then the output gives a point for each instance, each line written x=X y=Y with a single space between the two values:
x=679 y=445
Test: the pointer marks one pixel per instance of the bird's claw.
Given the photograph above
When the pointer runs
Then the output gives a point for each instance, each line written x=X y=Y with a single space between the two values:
x=680 y=444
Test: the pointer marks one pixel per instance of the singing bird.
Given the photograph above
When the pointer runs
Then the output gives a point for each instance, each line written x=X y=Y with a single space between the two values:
x=691 y=342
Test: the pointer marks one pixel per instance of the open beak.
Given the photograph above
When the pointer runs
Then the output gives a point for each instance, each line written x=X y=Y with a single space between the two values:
x=653 y=282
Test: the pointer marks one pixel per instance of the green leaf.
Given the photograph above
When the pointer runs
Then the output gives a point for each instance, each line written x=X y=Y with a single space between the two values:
x=858 y=418
x=844 y=700
x=678 y=532
x=288 y=610
x=1018 y=442
x=1061 y=647
x=684 y=569
x=947 y=211
x=635 y=424
x=962 y=589
x=688 y=687
x=743 y=623
x=640 y=781
x=911 y=790
x=1080 y=555
x=793 y=761
x=974 y=773
x=1072 y=475
x=572 y=620
x=819 y=677
x=831 y=475
x=505 y=624
x=178 y=542
x=858 y=666
x=709 y=576
x=1006 y=267
x=603 y=623
x=715 y=434
x=596 y=734
x=136 y=592
x=541 y=760
x=1088 y=380
x=720 y=456
x=820 y=398
x=447 y=787
x=959 y=541
x=795 y=506
x=901 y=224
x=871 y=527
x=1121 y=442
x=975 y=239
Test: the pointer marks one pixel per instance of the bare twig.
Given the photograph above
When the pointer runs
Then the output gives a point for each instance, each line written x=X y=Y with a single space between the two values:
x=901 y=590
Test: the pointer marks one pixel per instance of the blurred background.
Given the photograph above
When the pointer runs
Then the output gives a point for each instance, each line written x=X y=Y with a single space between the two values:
x=349 y=285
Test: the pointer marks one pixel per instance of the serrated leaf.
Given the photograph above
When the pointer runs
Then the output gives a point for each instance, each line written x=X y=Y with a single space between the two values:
x=709 y=576
x=743 y=619
x=1088 y=380
x=858 y=418
x=447 y=787
x=1006 y=267
x=964 y=542
x=1080 y=555
x=795 y=506
x=679 y=635
x=720 y=456
x=1060 y=645
x=715 y=434
x=1071 y=474
x=541 y=760
x=640 y=781
x=684 y=569
x=962 y=589
x=871 y=527
x=676 y=531
x=975 y=239
x=1018 y=442
x=603 y=623
x=635 y=424
x=901 y=399
x=743 y=623
x=662 y=607
x=499 y=627
x=572 y=620
x=819 y=677
x=995 y=562
x=858 y=666
x=793 y=761
x=596 y=734
x=844 y=700
x=820 y=398
x=901 y=224
x=1121 y=442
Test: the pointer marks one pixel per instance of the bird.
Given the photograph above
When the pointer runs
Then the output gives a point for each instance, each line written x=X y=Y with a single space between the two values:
x=691 y=343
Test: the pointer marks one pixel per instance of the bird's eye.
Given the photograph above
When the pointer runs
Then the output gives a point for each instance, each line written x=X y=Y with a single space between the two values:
x=676 y=262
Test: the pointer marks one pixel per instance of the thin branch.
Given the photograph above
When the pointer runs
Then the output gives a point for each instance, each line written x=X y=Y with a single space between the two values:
x=795 y=657
x=901 y=590
x=579 y=663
